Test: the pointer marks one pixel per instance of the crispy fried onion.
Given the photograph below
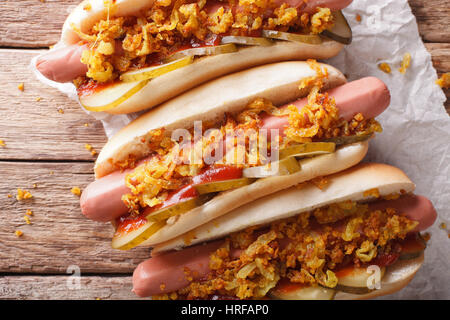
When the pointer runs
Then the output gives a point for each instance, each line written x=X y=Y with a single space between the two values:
x=119 y=44
x=300 y=251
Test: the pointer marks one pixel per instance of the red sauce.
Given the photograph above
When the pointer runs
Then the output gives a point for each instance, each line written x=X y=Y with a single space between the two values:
x=128 y=223
x=286 y=286
x=90 y=87
x=412 y=243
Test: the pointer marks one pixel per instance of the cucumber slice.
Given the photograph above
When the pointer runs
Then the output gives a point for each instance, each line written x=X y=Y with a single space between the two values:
x=111 y=96
x=174 y=210
x=340 y=141
x=341 y=32
x=307 y=149
x=354 y=280
x=203 y=51
x=286 y=166
x=218 y=186
x=304 y=293
x=129 y=240
x=412 y=248
x=153 y=72
x=248 y=41
x=155 y=221
x=295 y=37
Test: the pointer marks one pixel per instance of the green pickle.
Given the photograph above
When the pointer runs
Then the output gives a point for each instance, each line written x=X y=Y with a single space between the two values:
x=307 y=149
x=343 y=140
x=286 y=166
x=295 y=37
x=341 y=32
x=248 y=41
x=203 y=51
x=136 y=237
x=218 y=186
x=176 y=209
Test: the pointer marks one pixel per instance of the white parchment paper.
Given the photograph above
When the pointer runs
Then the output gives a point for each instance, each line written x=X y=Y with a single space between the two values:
x=416 y=135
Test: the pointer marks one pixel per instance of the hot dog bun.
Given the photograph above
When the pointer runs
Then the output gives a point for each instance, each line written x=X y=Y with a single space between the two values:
x=323 y=165
x=396 y=278
x=276 y=82
x=348 y=185
x=202 y=69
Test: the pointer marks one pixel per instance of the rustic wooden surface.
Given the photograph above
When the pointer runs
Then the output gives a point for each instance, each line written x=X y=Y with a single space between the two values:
x=45 y=154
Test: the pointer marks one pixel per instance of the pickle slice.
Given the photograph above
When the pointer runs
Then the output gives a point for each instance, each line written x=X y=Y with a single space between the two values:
x=249 y=41
x=203 y=51
x=111 y=96
x=286 y=166
x=355 y=280
x=176 y=209
x=340 y=141
x=306 y=293
x=153 y=72
x=134 y=238
x=341 y=32
x=412 y=249
x=303 y=38
x=307 y=149
x=218 y=186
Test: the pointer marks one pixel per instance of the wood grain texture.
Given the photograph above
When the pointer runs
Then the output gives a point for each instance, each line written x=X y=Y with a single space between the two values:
x=48 y=17
x=46 y=148
x=433 y=19
x=64 y=287
x=440 y=54
x=32 y=23
x=35 y=130
x=59 y=235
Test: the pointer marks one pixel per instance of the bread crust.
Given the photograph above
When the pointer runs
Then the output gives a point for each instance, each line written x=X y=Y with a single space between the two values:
x=344 y=185
x=202 y=69
x=276 y=82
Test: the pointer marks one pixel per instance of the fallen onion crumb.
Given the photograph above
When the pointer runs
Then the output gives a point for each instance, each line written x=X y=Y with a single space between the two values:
x=76 y=191
x=385 y=67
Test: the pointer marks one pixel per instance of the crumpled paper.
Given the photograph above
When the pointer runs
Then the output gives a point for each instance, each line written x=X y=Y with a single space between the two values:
x=416 y=126
x=416 y=136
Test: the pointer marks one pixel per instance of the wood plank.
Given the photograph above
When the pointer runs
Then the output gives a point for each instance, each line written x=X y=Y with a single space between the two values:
x=44 y=20
x=32 y=128
x=433 y=19
x=440 y=54
x=32 y=23
x=59 y=235
x=35 y=129
x=62 y=287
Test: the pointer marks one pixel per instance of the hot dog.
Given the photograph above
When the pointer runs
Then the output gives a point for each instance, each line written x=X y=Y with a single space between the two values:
x=159 y=198
x=166 y=272
x=368 y=96
x=107 y=48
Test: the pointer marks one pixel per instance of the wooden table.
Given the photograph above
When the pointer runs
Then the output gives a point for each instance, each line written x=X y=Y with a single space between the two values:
x=45 y=135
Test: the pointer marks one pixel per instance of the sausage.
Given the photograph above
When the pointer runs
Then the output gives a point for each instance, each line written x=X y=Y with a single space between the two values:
x=102 y=199
x=369 y=96
x=168 y=268
x=167 y=272
x=311 y=5
x=414 y=207
x=63 y=65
